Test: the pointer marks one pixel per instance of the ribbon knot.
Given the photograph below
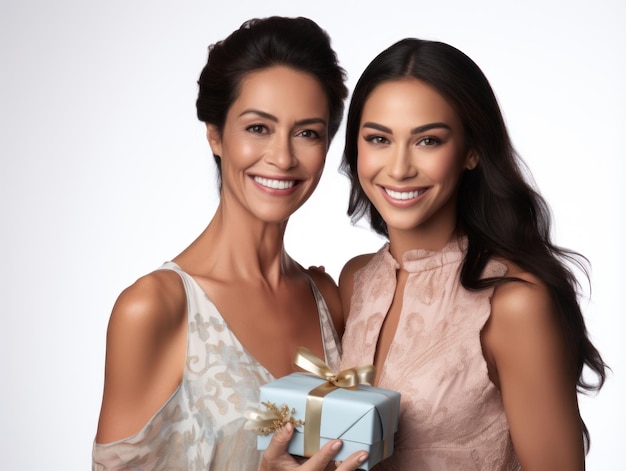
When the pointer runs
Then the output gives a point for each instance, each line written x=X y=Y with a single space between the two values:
x=348 y=379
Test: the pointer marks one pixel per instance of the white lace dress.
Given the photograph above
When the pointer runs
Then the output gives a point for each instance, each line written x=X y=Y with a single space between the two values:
x=200 y=427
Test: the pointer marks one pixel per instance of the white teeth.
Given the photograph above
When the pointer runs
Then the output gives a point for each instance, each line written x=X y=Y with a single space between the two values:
x=275 y=184
x=404 y=195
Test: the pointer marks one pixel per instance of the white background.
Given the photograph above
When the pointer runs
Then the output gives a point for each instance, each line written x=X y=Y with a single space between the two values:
x=105 y=173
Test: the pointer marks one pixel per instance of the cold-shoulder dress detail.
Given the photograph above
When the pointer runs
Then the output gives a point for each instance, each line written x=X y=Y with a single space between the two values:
x=200 y=427
x=451 y=414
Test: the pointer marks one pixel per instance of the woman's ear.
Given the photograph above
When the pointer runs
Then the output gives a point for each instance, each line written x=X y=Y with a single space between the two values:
x=214 y=137
x=471 y=160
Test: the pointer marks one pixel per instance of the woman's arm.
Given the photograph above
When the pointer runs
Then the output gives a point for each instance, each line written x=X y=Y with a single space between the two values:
x=525 y=347
x=145 y=354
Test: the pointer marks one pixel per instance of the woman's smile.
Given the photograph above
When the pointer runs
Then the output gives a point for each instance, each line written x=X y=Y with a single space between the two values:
x=275 y=183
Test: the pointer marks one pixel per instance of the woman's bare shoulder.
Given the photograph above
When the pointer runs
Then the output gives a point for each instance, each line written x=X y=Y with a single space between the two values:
x=523 y=303
x=157 y=298
x=524 y=328
x=353 y=265
x=145 y=353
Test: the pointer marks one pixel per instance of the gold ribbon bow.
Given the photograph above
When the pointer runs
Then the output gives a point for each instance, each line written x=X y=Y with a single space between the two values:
x=347 y=379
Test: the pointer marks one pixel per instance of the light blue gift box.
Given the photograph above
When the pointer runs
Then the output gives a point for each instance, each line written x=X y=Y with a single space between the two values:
x=365 y=418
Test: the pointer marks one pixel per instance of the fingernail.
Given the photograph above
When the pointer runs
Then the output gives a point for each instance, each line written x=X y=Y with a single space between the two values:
x=335 y=446
x=362 y=457
x=284 y=430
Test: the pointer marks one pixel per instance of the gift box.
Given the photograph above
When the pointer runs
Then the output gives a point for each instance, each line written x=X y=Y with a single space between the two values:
x=362 y=417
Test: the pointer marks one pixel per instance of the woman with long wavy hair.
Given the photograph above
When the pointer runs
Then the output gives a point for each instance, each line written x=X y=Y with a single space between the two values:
x=470 y=310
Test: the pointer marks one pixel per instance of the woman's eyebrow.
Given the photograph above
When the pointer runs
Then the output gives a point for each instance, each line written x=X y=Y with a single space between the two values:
x=428 y=127
x=417 y=130
x=378 y=127
x=271 y=117
x=262 y=114
x=311 y=121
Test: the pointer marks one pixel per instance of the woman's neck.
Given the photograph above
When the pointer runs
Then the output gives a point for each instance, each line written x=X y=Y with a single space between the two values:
x=238 y=246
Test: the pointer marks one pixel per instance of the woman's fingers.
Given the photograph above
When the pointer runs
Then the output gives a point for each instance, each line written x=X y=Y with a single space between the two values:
x=321 y=460
x=353 y=461
x=276 y=456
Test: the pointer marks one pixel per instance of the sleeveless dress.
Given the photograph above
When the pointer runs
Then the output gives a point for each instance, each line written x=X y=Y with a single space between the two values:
x=200 y=427
x=451 y=414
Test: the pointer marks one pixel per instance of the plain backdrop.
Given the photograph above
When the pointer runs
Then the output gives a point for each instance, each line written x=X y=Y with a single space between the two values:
x=105 y=173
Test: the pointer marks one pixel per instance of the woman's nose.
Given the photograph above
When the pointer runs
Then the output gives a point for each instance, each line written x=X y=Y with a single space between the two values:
x=280 y=153
x=401 y=165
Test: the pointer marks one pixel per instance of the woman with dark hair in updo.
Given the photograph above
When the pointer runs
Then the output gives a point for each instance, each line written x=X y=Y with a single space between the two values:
x=189 y=344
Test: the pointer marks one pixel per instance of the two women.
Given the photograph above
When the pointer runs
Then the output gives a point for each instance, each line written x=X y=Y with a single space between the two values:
x=469 y=311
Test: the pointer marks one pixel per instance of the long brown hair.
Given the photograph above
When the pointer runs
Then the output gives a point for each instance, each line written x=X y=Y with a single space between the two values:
x=497 y=208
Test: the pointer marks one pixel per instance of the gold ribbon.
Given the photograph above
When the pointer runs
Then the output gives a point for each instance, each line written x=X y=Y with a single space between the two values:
x=347 y=379
x=387 y=439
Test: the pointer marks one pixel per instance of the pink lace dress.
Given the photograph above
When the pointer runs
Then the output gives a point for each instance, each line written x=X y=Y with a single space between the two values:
x=451 y=414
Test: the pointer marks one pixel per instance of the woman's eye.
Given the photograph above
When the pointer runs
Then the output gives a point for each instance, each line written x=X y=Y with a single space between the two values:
x=257 y=128
x=309 y=134
x=429 y=141
x=375 y=139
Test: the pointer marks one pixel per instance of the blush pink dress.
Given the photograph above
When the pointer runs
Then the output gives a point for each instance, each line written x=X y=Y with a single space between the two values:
x=451 y=414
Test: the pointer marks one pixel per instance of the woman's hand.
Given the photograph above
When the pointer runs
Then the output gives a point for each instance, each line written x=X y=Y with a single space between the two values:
x=277 y=458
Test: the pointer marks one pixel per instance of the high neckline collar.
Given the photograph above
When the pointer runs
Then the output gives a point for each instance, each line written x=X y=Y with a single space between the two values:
x=415 y=260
